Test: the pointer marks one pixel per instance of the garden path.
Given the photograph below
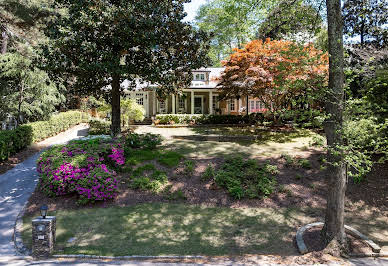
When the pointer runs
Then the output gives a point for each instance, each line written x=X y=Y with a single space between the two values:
x=17 y=184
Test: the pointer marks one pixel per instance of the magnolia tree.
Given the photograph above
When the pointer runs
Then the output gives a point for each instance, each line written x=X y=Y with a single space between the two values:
x=275 y=72
x=98 y=44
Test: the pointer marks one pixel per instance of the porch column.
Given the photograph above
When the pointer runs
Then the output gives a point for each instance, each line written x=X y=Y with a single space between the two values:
x=154 y=103
x=211 y=102
x=192 y=102
x=173 y=103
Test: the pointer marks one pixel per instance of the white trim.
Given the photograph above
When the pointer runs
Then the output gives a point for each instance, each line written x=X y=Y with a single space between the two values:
x=200 y=90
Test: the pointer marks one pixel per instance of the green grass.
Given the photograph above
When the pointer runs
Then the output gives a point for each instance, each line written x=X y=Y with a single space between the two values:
x=165 y=157
x=181 y=229
x=172 y=229
x=170 y=158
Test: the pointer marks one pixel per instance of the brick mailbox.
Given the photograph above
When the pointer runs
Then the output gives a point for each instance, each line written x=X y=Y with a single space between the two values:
x=43 y=236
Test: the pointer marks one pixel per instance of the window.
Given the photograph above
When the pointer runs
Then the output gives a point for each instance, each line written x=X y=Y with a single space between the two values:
x=199 y=77
x=258 y=105
x=252 y=106
x=215 y=102
x=181 y=103
x=162 y=106
x=232 y=105
x=139 y=98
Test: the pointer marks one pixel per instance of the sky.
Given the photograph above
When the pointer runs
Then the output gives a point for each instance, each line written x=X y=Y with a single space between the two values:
x=191 y=9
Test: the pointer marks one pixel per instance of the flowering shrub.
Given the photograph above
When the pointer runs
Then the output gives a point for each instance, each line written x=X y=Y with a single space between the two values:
x=82 y=167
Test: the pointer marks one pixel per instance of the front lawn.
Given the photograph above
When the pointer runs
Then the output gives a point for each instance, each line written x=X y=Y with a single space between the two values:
x=175 y=229
x=166 y=202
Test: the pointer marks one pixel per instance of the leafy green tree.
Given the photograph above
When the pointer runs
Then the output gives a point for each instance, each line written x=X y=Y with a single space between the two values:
x=367 y=19
x=231 y=22
x=288 y=19
x=103 y=42
x=27 y=93
x=21 y=23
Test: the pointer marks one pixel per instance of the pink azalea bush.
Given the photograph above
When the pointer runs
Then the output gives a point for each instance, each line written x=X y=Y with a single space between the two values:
x=82 y=167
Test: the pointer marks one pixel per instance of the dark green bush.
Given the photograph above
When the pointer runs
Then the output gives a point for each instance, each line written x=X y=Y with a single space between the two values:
x=99 y=127
x=12 y=141
x=144 y=141
x=210 y=119
x=246 y=178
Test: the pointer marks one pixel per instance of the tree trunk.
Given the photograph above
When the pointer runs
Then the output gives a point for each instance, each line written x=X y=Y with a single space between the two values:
x=4 y=40
x=115 y=102
x=21 y=94
x=362 y=32
x=333 y=231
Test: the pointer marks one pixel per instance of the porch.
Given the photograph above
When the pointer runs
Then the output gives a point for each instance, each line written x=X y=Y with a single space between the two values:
x=193 y=101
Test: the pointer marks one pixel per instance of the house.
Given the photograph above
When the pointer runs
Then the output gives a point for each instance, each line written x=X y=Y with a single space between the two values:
x=202 y=97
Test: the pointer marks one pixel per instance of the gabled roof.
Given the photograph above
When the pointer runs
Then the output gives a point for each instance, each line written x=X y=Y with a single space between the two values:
x=214 y=73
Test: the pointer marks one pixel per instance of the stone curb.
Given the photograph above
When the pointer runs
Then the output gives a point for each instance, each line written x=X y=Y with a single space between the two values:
x=369 y=255
x=81 y=256
x=17 y=236
x=303 y=249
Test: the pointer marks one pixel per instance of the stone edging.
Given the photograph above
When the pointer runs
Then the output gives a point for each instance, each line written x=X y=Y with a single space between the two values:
x=303 y=249
x=81 y=256
x=17 y=236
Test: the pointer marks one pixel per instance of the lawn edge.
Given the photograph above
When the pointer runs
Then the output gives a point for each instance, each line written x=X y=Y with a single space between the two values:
x=20 y=248
x=350 y=230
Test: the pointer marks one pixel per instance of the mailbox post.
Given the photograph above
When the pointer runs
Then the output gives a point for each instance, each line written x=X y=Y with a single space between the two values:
x=43 y=236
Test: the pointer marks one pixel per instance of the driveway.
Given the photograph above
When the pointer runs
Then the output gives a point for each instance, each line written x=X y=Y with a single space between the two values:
x=16 y=186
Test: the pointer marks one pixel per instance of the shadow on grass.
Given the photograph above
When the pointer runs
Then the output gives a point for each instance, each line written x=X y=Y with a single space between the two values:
x=177 y=229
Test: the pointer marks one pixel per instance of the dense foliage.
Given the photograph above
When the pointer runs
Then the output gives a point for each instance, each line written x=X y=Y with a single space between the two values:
x=366 y=113
x=103 y=43
x=84 y=167
x=244 y=178
x=99 y=127
x=291 y=19
x=26 y=92
x=366 y=19
x=12 y=141
x=279 y=73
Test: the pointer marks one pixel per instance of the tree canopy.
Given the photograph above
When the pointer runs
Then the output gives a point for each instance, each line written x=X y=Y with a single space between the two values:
x=26 y=92
x=275 y=71
x=367 y=19
x=101 y=43
x=233 y=23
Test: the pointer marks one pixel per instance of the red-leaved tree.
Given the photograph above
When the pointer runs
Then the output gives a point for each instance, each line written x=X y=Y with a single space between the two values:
x=275 y=72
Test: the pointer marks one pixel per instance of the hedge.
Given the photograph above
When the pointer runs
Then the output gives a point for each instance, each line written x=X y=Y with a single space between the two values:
x=12 y=141
x=164 y=119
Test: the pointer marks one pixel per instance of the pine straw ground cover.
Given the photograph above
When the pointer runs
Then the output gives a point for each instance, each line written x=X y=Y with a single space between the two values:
x=171 y=204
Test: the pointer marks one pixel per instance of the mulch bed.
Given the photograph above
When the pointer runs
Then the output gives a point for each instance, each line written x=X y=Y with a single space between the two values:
x=314 y=242
x=309 y=189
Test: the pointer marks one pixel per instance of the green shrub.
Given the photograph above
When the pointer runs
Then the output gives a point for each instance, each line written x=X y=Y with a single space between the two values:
x=317 y=141
x=209 y=173
x=170 y=158
x=142 y=141
x=165 y=119
x=305 y=163
x=12 y=141
x=99 y=127
x=189 y=167
x=246 y=178
x=176 y=195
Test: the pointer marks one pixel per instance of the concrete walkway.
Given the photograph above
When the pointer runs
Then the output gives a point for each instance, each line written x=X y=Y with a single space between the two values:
x=17 y=184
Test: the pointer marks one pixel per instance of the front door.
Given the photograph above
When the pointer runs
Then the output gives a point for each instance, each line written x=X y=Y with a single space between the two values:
x=198 y=105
